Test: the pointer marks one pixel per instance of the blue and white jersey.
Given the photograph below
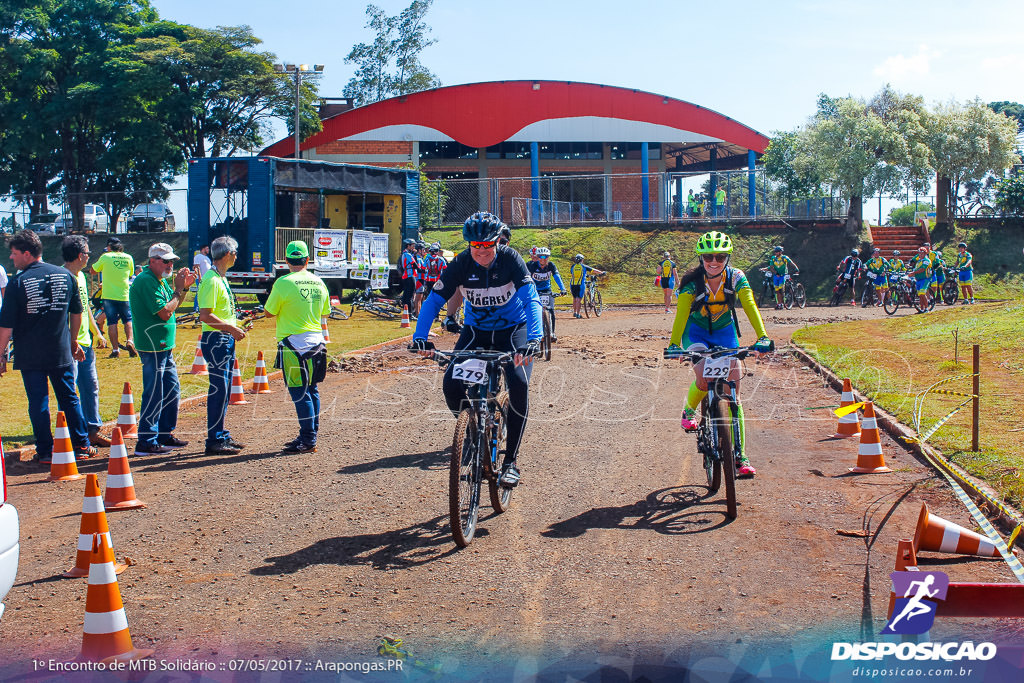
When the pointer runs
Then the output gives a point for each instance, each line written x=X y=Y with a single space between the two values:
x=542 y=276
x=498 y=297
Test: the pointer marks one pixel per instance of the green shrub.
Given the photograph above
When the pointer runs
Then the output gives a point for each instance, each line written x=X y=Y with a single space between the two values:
x=904 y=215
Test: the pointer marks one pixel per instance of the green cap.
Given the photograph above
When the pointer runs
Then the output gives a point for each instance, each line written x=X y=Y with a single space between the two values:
x=297 y=249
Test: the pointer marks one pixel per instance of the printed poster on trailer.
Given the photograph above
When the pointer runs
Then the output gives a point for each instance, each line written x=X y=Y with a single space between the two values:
x=361 y=244
x=379 y=262
x=330 y=252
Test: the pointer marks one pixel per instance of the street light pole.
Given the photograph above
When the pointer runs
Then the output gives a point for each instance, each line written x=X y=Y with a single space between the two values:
x=298 y=71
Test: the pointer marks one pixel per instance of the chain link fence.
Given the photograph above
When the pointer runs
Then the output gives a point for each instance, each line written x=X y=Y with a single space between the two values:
x=620 y=198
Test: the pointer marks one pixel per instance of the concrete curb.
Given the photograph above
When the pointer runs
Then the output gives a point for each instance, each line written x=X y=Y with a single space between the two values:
x=25 y=453
x=901 y=433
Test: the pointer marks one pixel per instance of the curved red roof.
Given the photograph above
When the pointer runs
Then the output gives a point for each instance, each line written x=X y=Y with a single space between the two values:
x=485 y=114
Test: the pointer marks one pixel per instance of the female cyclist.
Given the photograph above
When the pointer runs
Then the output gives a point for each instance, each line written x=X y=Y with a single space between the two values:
x=706 y=317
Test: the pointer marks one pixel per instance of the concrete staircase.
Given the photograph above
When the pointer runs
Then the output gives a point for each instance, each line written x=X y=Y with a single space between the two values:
x=905 y=238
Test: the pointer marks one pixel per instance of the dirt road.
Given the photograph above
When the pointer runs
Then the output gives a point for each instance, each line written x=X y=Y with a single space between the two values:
x=612 y=544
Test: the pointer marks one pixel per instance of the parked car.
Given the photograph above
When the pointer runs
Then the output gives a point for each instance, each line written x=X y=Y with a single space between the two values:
x=8 y=539
x=44 y=224
x=94 y=219
x=151 y=217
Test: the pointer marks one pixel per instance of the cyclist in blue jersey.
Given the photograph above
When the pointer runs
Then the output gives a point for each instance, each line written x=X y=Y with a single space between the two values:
x=543 y=270
x=502 y=314
x=578 y=272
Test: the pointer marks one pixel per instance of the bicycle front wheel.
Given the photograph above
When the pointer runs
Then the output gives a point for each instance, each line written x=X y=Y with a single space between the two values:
x=891 y=301
x=598 y=303
x=588 y=302
x=723 y=424
x=799 y=295
x=787 y=297
x=464 y=479
x=950 y=292
x=501 y=496
x=764 y=295
x=837 y=295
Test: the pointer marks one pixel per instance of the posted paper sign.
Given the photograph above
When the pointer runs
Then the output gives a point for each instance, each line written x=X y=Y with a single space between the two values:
x=362 y=244
x=379 y=262
x=330 y=251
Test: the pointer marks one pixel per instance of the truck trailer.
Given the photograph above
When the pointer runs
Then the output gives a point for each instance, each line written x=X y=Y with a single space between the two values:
x=353 y=218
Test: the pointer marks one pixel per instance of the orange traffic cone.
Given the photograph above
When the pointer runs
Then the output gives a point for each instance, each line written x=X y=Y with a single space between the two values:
x=199 y=366
x=62 y=464
x=405 y=316
x=869 y=453
x=120 y=484
x=105 y=633
x=848 y=424
x=323 y=328
x=906 y=559
x=126 y=416
x=237 y=396
x=260 y=381
x=94 y=521
x=942 y=536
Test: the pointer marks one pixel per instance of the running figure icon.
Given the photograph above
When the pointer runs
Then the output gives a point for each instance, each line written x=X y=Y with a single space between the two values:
x=918 y=594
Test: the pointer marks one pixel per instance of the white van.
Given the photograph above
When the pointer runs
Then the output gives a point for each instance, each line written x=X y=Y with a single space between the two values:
x=94 y=219
x=8 y=538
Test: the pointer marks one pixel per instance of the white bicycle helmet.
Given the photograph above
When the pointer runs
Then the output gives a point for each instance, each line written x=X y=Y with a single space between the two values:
x=543 y=252
x=578 y=258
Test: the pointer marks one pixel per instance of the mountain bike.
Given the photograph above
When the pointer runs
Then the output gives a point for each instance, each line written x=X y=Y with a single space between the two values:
x=592 y=302
x=930 y=298
x=767 y=287
x=793 y=293
x=547 y=308
x=839 y=290
x=869 y=294
x=973 y=208
x=337 y=314
x=950 y=290
x=371 y=302
x=896 y=294
x=480 y=435
x=718 y=433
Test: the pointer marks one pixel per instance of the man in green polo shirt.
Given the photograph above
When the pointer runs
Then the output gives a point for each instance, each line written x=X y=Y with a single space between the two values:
x=300 y=300
x=153 y=301
x=220 y=332
x=115 y=268
x=719 y=202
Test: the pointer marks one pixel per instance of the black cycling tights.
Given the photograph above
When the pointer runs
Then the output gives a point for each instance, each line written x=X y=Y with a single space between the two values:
x=516 y=379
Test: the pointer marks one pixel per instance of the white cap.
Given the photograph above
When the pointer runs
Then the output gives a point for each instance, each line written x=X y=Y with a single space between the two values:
x=162 y=250
x=667 y=254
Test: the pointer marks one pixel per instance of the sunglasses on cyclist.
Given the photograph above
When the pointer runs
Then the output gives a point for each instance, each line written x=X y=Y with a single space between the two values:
x=720 y=258
x=482 y=245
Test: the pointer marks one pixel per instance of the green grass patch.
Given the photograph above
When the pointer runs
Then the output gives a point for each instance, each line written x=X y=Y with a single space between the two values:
x=893 y=359
x=357 y=332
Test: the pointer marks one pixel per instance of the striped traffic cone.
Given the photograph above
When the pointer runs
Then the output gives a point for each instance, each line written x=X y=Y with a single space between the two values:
x=942 y=536
x=199 y=366
x=405 y=316
x=120 y=484
x=94 y=521
x=848 y=424
x=105 y=636
x=126 y=415
x=260 y=381
x=323 y=328
x=62 y=464
x=869 y=453
x=237 y=396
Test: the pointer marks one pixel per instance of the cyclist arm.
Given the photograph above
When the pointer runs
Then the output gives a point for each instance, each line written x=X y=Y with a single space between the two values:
x=428 y=314
x=530 y=300
x=796 y=268
x=558 y=280
x=682 y=317
x=746 y=297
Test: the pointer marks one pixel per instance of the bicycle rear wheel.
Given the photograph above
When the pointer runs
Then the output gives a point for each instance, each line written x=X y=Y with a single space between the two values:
x=787 y=296
x=891 y=301
x=799 y=295
x=501 y=496
x=588 y=303
x=598 y=303
x=464 y=477
x=950 y=292
x=723 y=424
x=545 y=341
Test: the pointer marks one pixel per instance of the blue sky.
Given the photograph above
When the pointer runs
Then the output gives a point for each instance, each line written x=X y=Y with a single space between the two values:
x=762 y=63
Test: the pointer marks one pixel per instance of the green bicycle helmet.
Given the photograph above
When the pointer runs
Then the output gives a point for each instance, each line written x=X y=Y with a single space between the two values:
x=714 y=242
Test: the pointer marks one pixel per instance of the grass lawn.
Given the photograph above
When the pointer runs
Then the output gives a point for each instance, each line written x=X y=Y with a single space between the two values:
x=357 y=332
x=891 y=360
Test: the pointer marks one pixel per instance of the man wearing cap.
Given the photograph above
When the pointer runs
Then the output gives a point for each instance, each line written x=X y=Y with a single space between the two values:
x=115 y=268
x=154 y=298
x=300 y=301
x=220 y=332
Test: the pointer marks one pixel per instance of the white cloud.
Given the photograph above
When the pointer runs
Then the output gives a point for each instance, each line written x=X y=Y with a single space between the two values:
x=901 y=69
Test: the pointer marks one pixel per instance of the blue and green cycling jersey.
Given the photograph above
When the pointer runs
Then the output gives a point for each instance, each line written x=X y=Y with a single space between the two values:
x=713 y=314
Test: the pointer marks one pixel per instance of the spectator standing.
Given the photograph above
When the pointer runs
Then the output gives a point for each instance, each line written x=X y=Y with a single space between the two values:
x=220 y=332
x=200 y=264
x=43 y=313
x=75 y=251
x=408 y=266
x=299 y=300
x=720 y=196
x=153 y=301
x=3 y=285
x=115 y=268
x=668 y=274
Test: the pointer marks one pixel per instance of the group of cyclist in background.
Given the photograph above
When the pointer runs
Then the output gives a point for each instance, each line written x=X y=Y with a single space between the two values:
x=925 y=273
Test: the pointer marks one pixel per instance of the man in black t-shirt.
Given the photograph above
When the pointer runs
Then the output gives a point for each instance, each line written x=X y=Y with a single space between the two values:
x=43 y=312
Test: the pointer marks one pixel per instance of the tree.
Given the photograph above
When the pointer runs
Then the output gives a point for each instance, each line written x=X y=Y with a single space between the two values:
x=214 y=92
x=778 y=164
x=390 y=65
x=968 y=142
x=1014 y=110
x=904 y=215
x=862 y=148
x=1010 y=194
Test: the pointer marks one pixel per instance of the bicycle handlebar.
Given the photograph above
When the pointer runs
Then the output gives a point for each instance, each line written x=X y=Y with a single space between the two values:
x=714 y=352
x=446 y=357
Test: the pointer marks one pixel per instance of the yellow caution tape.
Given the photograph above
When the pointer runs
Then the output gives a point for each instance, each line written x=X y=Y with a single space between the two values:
x=1013 y=536
x=952 y=393
x=846 y=410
